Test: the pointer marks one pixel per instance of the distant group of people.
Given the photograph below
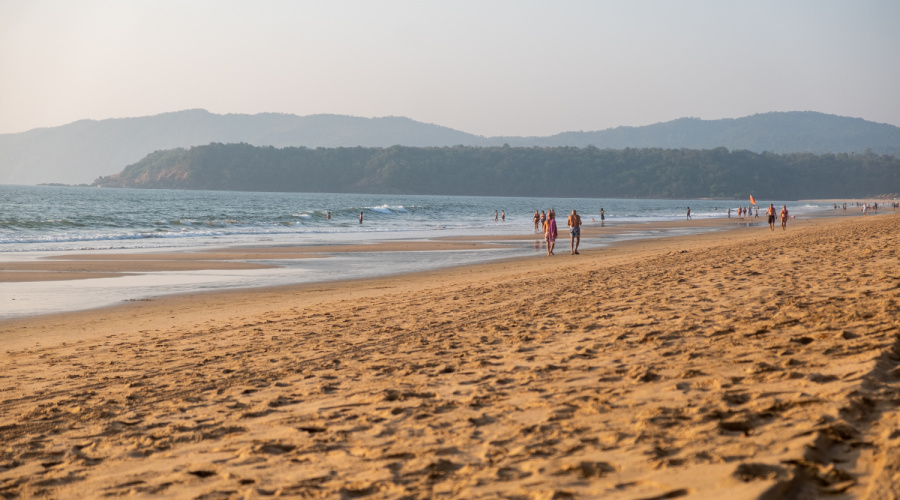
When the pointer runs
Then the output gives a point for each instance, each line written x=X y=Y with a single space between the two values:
x=770 y=214
x=866 y=207
x=746 y=212
x=328 y=216
x=545 y=221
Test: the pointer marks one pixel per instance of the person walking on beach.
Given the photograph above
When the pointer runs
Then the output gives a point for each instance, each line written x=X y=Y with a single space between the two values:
x=550 y=232
x=602 y=216
x=574 y=222
x=689 y=213
x=784 y=217
x=537 y=220
x=770 y=214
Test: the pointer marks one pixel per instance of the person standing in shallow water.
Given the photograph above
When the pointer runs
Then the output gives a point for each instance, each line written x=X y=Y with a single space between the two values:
x=689 y=213
x=537 y=220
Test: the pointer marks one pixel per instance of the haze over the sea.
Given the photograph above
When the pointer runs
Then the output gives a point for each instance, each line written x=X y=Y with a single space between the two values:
x=511 y=68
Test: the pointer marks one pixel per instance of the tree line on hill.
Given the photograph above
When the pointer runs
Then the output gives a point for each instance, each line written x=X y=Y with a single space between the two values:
x=81 y=151
x=515 y=171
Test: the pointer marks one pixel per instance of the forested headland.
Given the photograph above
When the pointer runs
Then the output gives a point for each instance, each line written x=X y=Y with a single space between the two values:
x=79 y=152
x=515 y=171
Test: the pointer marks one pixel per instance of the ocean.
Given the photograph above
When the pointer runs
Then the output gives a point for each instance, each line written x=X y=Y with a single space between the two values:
x=64 y=219
x=41 y=221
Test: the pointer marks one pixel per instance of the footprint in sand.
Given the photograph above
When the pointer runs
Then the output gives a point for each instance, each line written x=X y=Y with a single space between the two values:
x=274 y=448
x=588 y=470
x=747 y=472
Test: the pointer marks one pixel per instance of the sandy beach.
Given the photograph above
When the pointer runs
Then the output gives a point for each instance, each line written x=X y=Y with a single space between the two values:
x=729 y=364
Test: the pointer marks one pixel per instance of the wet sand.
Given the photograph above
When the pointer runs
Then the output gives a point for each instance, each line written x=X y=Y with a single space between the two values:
x=738 y=364
x=106 y=264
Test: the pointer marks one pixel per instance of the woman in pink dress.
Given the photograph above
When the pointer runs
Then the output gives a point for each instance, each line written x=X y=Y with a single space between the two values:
x=550 y=232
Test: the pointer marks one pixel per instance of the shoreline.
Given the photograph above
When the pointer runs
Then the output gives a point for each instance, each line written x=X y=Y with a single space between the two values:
x=116 y=276
x=123 y=265
x=737 y=363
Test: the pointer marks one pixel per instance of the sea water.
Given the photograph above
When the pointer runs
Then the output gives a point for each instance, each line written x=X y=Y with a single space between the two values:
x=40 y=221
x=62 y=219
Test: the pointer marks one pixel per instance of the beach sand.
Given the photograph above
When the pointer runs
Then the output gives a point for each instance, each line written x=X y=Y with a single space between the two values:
x=729 y=364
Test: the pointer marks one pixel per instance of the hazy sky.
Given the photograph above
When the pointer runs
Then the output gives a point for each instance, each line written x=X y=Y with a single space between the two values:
x=489 y=67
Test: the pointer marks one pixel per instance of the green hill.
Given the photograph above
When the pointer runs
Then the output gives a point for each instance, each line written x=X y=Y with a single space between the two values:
x=509 y=171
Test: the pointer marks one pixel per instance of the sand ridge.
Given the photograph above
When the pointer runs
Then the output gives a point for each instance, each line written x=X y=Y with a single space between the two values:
x=748 y=364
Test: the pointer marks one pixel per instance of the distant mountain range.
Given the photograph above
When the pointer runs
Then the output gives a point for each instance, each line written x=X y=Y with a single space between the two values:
x=84 y=150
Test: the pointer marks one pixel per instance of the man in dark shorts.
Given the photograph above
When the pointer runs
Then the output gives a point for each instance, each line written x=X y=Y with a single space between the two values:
x=770 y=214
x=574 y=222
